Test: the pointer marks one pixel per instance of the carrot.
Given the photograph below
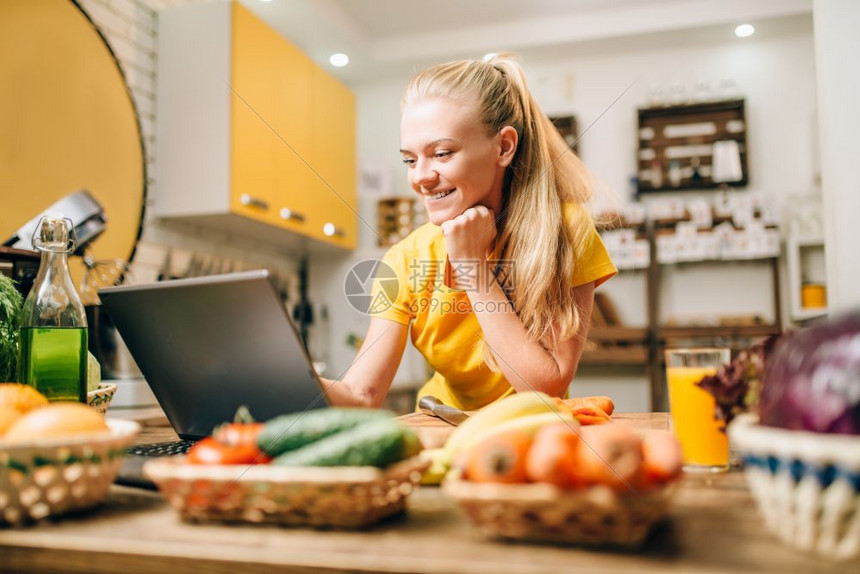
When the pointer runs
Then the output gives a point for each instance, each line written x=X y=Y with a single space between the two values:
x=590 y=420
x=604 y=403
x=552 y=456
x=662 y=457
x=563 y=407
x=591 y=415
x=500 y=457
x=610 y=455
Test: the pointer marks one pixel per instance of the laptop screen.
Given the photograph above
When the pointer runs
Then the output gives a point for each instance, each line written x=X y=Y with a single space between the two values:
x=207 y=345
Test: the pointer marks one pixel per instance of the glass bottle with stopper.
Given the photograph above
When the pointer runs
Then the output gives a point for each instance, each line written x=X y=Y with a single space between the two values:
x=52 y=345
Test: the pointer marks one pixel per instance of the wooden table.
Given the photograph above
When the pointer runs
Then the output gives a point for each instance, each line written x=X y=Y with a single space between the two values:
x=713 y=527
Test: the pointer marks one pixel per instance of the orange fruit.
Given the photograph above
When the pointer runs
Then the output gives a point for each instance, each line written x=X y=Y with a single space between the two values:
x=22 y=398
x=56 y=420
x=8 y=415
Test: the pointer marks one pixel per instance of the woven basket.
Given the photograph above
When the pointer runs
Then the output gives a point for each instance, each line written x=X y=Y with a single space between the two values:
x=806 y=485
x=340 y=497
x=51 y=476
x=101 y=397
x=595 y=516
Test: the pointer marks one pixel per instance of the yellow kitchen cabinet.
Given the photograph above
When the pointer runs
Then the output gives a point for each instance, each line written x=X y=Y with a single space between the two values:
x=332 y=195
x=236 y=135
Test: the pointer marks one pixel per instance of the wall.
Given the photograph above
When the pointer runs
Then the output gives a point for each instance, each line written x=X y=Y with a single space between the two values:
x=776 y=75
x=836 y=39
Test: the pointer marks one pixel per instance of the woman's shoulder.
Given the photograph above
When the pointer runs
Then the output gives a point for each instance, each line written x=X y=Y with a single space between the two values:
x=426 y=242
x=423 y=240
x=576 y=213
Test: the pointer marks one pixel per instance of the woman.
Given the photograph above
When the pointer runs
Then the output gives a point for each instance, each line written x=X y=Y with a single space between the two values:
x=499 y=285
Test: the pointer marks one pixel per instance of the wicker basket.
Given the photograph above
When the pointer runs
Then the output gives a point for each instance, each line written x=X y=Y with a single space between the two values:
x=595 y=516
x=806 y=485
x=51 y=476
x=101 y=397
x=341 y=497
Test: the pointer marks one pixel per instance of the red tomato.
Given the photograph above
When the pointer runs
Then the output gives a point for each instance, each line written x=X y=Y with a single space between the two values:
x=236 y=434
x=211 y=451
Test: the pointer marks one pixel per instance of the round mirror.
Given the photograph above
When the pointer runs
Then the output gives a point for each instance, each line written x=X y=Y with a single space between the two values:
x=68 y=123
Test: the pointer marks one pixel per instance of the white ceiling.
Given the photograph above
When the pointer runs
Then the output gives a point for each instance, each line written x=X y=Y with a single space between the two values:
x=394 y=37
x=381 y=18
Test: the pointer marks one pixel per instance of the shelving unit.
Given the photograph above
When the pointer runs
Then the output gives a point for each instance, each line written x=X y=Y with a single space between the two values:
x=617 y=346
x=644 y=346
x=797 y=269
x=677 y=146
x=664 y=336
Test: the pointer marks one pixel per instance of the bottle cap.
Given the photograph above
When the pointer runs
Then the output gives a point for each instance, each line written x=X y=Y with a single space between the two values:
x=53 y=230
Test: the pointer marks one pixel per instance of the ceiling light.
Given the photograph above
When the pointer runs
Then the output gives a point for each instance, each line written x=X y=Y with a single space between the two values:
x=338 y=60
x=489 y=56
x=744 y=30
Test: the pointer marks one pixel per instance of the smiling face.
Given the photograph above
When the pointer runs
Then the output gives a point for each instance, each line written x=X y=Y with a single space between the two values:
x=451 y=161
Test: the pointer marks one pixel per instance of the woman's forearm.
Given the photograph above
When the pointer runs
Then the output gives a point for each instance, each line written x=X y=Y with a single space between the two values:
x=365 y=383
x=342 y=394
x=527 y=365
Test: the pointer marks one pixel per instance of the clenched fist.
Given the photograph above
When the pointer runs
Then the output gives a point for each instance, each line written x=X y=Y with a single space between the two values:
x=469 y=239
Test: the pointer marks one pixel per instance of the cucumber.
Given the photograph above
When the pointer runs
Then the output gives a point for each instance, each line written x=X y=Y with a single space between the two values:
x=289 y=432
x=374 y=443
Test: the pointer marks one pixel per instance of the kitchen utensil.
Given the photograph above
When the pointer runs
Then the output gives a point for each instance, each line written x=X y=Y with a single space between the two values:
x=98 y=274
x=80 y=208
x=432 y=406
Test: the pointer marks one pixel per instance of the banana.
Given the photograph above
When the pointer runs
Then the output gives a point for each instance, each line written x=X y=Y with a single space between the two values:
x=511 y=407
x=438 y=466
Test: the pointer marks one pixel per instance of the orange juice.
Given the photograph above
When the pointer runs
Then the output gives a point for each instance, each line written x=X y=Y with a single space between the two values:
x=703 y=442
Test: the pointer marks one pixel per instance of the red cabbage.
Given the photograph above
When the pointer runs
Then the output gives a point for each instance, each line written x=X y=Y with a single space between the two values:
x=812 y=382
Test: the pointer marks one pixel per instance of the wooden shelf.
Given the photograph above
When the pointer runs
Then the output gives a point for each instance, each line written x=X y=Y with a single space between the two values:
x=633 y=355
x=707 y=331
x=618 y=334
x=809 y=314
x=757 y=259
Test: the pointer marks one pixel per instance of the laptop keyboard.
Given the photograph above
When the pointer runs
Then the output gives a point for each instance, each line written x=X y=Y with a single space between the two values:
x=162 y=448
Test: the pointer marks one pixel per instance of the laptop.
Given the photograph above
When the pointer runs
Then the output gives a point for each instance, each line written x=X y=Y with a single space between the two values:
x=207 y=345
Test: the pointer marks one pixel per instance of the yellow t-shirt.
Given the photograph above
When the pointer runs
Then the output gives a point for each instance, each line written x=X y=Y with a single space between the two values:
x=445 y=329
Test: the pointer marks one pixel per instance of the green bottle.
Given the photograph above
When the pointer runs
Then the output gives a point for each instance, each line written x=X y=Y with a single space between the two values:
x=52 y=341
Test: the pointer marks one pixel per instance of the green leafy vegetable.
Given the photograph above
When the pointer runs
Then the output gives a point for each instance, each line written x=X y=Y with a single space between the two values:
x=10 y=314
x=736 y=386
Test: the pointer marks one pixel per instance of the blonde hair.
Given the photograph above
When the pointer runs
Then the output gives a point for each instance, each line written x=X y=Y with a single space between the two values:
x=543 y=176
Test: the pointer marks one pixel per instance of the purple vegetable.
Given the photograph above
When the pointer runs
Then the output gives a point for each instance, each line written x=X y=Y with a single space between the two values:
x=812 y=381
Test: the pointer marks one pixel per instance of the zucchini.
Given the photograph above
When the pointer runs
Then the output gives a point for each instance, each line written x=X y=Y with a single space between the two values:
x=293 y=431
x=374 y=443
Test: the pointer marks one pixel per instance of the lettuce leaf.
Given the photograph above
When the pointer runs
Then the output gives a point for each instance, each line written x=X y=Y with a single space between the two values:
x=10 y=314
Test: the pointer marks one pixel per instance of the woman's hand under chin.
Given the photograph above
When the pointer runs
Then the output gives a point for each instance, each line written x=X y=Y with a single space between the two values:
x=469 y=239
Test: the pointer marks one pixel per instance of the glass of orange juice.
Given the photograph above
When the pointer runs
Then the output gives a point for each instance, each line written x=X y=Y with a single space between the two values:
x=704 y=442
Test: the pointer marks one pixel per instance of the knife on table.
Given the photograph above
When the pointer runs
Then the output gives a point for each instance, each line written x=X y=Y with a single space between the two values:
x=432 y=406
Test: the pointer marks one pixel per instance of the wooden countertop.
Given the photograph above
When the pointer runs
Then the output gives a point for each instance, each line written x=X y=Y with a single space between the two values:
x=713 y=527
